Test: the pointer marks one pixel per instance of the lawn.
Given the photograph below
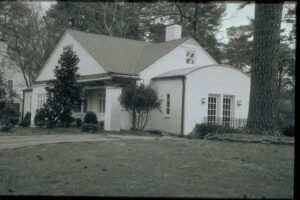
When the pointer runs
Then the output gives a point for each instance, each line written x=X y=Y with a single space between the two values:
x=154 y=168
x=67 y=131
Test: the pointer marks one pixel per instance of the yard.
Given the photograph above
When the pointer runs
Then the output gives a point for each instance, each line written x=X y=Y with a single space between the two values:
x=153 y=168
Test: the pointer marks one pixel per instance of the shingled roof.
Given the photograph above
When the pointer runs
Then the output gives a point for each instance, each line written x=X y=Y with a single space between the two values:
x=124 y=56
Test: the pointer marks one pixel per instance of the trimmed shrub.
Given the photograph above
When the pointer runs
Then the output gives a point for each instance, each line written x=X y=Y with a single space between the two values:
x=26 y=121
x=90 y=118
x=9 y=117
x=78 y=122
x=44 y=118
x=201 y=130
x=89 y=127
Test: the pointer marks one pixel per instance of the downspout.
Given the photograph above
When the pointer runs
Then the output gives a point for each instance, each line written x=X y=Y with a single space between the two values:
x=23 y=104
x=182 y=105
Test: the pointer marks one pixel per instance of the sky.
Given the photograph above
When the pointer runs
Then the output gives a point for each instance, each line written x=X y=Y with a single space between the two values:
x=233 y=17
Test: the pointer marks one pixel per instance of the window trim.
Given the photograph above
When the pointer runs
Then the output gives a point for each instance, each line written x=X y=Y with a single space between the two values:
x=42 y=99
x=217 y=109
x=232 y=107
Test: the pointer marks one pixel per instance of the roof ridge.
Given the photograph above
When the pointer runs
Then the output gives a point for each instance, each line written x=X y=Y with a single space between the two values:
x=109 y=36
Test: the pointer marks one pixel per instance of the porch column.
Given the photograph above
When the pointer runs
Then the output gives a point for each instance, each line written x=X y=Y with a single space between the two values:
x=112 y=109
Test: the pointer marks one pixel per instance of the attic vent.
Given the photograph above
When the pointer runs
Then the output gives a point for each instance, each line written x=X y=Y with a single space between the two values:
x=69 y=46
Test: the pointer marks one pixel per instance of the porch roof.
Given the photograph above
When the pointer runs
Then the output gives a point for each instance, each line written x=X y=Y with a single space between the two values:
x=100 y=77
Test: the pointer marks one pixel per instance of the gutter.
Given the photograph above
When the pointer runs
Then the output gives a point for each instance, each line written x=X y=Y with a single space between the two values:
x=182 y=104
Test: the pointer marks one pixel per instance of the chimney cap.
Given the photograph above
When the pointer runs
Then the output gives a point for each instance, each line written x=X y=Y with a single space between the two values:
x=173 y=32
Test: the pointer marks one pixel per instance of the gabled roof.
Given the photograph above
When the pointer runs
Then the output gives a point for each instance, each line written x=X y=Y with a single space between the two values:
x=124 y=56
x=185 y=71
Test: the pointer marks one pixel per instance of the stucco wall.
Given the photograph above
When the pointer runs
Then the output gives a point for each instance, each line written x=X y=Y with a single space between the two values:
x=87 y=64
x=176 y=59
x=159 y=120
x=214 y=80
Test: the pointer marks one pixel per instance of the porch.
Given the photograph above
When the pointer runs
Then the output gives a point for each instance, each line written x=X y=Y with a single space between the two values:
x=100 y=95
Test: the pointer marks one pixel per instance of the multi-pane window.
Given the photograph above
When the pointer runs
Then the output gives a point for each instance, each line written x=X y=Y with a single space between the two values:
x=212 y=109
x=10 y=85
x=102 y=103
x=190 y=57
x=42 y=97
x=227 y=101
x=168 y=101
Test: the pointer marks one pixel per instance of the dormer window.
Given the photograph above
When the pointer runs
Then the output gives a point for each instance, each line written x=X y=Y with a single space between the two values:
x=66 y=47
x=190 y=57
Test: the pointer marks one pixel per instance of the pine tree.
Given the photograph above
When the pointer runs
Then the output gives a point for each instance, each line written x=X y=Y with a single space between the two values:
x=63 y=94
x=263 y=108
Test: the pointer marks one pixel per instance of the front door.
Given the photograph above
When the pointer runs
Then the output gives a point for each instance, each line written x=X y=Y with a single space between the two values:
x=212 y=109
x=227 y=110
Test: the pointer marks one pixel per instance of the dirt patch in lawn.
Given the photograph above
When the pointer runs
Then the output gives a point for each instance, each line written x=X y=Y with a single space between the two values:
x=154 y=168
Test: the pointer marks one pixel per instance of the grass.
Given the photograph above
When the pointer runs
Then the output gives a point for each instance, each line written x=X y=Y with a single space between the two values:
x=156 y=168
x=68 y=131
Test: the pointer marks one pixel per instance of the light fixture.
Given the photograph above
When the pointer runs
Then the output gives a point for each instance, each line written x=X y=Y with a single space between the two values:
x=239 y=102
x=203 y=100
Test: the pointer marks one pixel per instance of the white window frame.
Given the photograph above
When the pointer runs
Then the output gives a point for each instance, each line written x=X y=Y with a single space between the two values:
x=188 y=58
x=227 y=109
x=213 y=108
x=42 y=98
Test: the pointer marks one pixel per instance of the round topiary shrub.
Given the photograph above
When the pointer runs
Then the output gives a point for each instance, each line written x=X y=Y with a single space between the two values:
x=90 y=118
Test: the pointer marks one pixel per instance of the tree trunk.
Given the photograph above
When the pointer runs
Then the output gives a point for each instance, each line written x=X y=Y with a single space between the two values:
x=264 y=73
x=133 y=123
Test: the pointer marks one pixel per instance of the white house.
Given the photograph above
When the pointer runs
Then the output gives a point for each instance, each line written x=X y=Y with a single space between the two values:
x=13 y=77
x=192 y=85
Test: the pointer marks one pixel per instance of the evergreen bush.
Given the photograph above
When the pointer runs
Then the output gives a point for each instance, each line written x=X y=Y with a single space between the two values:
x=26 y=121
x=9 y=117
x=90 y=118
x=89 y=127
